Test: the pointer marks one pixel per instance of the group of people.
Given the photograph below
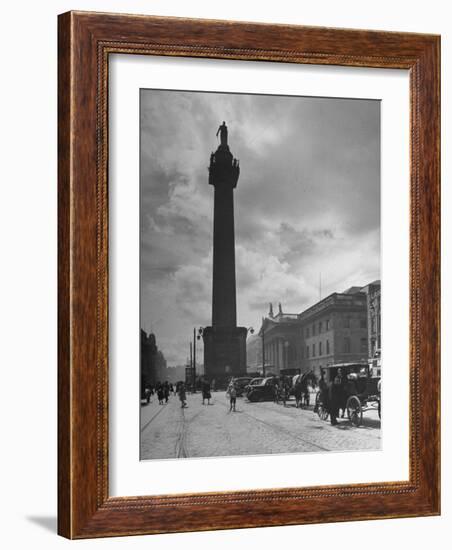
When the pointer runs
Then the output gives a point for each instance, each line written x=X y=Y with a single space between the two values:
x=281 y=391
x=165 y=389
x=162 y=389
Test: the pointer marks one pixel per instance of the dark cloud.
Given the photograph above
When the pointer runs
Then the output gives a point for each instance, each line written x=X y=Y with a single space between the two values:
x=307 y=202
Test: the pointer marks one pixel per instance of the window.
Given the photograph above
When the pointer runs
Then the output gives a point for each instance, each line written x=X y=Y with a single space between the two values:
x=307 y=352
x=313 y=330
x=363 y=323
x=320 y=348
x=313 y=350
x=327 y=347
x=364 y=345
x=327 y=324
x=347 y=345
x=307 y=333
x=320 y=327
x=346 y=322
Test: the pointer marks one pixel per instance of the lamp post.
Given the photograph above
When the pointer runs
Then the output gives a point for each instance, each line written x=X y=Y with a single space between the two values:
x=197 y=336
x=250 y=330
x=194 y=360
x=263 y=349
x=191 y=359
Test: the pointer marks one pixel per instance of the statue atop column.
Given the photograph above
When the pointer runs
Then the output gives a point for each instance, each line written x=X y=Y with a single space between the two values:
x=224 y=168
x=223 y=131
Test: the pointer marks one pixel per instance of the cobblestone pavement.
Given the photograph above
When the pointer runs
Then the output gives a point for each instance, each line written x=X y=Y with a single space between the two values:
x=169 y=431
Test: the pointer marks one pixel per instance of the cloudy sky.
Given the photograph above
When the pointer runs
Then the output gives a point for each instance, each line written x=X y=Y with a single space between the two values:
x=307 y=203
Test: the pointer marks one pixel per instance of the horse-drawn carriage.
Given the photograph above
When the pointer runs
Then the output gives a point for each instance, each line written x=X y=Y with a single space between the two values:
x=301 y=385
x=350 y=387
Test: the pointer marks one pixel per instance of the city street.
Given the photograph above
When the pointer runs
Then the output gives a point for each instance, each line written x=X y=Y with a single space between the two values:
x=169 y=431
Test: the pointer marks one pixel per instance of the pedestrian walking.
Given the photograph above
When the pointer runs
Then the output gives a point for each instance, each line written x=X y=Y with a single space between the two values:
x=160 y=394
x=182 y=395
x=166 y=391
x=232 y=392
x=147 y=394
x=336 y=397
x=206 y=391
x=307 y=396
x=284 y=393
x=276 y=393
x=298 y=392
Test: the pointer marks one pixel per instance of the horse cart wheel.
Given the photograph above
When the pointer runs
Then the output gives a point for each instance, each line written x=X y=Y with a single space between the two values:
x=320 y=407
x=354 y=410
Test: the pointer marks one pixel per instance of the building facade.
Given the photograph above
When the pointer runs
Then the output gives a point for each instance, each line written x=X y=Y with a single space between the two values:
x=373 y=292
x=282 y=346
x=334 y=330
x=152 y=362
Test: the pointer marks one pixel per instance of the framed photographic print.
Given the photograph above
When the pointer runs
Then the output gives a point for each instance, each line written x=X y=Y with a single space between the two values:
x=248 y=275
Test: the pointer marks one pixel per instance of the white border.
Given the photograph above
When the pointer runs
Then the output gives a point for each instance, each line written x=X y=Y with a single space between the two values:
x=129 y=476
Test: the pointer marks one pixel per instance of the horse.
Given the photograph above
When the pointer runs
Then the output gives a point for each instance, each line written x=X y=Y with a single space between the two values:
x=301 y=389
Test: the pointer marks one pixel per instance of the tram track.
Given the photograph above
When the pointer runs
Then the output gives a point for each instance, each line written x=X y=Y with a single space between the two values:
x=181 y=442
x=153 y=418
x=280 y=429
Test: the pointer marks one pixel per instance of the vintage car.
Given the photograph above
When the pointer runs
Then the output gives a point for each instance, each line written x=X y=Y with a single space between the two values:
x=360 y=391
x=264 y=390
x=253 y=382
x=241 y=384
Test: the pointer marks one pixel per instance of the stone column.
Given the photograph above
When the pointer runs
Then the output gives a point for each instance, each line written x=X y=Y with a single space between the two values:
x=224 y=342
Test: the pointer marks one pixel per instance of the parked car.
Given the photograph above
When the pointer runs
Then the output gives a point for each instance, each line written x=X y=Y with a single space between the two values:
x=253 y=382
x=264 y=390
x=241 y=384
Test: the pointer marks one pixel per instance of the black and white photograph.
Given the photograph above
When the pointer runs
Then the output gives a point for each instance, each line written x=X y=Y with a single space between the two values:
x=260 y=293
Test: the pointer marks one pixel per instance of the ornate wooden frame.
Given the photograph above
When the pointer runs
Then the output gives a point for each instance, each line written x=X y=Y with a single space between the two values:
x=84 y=44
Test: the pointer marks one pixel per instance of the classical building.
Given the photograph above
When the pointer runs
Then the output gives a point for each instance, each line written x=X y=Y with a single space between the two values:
x=281 y=334
x=334 y=330
x=224 y=341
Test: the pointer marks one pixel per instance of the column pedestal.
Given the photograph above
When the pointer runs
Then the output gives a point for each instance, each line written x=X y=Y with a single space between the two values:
x=224 y=353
